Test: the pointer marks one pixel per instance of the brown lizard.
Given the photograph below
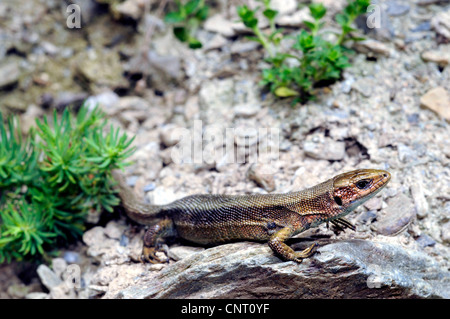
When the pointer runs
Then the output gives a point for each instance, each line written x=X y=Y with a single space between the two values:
x=215 y=219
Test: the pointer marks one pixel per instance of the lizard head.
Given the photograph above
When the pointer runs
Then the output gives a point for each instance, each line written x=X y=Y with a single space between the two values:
x=353 y=188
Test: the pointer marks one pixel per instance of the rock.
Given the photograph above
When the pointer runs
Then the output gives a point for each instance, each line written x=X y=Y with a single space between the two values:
x=72 y=257
x=439 y=57
x=417 y=193
x=217 y=42
x=425 y=241
x=284 y=6
x=405 y=153
x=129 y=9
x=239 y=47
x=396 y=8
x=218 y=24
x=373 y=46
x=114 y=230
x=9 y=72
x=441 y=24
x=345 y=269
x=163 y=195
x=59 y=265
x=29 y=118
x=106 y=100
x=294 y=20
x=94 y=235
x=246 y=110
x=259 y=174
x=367 y=217
x=66 y=98
x=48 y=278
x=321 y=147
x=167 y=66
x=421 y=27
x=438 y=100
x=181 y=252
x=170 y=134
x=445 y=233
x=37 y=295
x=215 y=101
x=99 y=69
x=62 y=291
x=397 y=216
x=374 y=204
x=18 y=290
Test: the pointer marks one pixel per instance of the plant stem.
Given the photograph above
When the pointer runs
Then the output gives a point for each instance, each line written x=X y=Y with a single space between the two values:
x=263 y=40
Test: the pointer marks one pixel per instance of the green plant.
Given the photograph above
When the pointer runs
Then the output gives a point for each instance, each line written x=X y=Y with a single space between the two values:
x=50 y=181
x=186 y=19
x=314 y=61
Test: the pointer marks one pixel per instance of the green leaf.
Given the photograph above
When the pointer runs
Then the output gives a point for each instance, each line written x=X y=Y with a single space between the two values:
x=270 y=13
x=191 y=6
x=181 y=33
x=342 y=19
x=202 y=14
x=194 y=43
x=247 y=16
x=174 y=17
x=317 y=10
x=310 y=25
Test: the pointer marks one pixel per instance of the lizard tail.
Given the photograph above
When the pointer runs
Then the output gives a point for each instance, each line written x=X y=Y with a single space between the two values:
x=135 y=208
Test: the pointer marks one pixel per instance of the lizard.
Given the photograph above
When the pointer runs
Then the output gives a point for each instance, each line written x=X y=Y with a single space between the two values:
x=210 y=219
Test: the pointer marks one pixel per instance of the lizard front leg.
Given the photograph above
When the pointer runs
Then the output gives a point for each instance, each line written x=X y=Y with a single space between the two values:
x=154 y=237
x=276 y=243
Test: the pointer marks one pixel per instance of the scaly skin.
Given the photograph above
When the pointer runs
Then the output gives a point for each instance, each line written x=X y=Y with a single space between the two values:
x=274 y=218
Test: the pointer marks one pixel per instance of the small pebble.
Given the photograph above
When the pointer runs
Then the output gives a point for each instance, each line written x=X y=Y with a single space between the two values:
x=149 y=187
x=425 y=241
x=71 y=257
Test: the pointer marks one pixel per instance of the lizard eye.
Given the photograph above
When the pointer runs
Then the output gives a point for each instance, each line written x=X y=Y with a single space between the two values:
x=362 y=184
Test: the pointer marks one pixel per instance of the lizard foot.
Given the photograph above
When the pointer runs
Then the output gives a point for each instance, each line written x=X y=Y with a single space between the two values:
x=308 y=252
x=149 y=255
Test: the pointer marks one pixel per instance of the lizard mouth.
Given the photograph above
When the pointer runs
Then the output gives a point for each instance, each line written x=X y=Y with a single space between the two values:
x=381 y=180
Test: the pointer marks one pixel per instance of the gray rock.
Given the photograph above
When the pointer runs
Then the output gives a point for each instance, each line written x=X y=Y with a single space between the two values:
x=218 y=24
x=246 y=110
x=445 y=232
x=438 y=100
x=295 y=19
x=181 y=252
x=420 y=201
x=367 y=217
x=398 y=215
x=425 y=241
x=373 y=46
x=259 y=174
x=405 y=153
x=320 y=147
x=374 y=203
x=441 y=24
x=396 y=8
x=48 y=278
x=37 y=295
x=345 y=269
x=9 y=72
x=59 y=265
x=72 y=257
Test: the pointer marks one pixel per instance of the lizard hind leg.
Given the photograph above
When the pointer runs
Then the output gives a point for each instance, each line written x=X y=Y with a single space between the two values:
x=276 y=243
x=153 y=239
